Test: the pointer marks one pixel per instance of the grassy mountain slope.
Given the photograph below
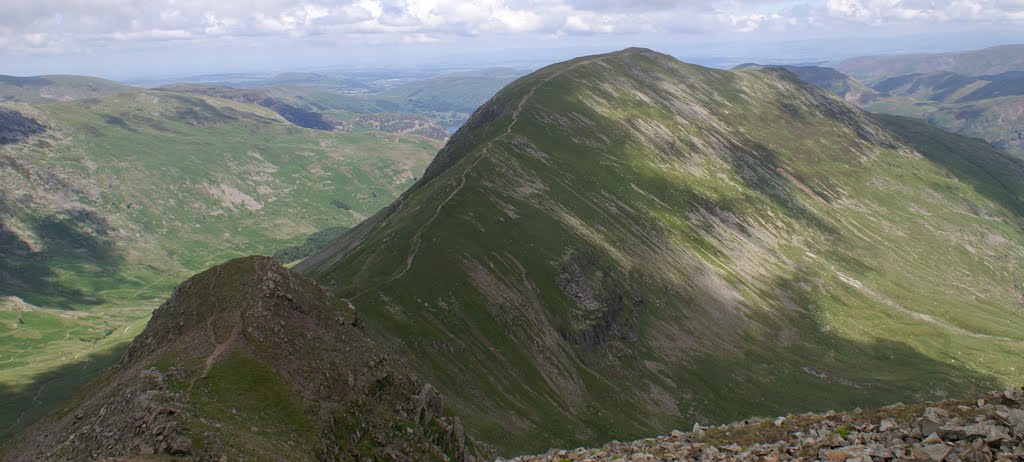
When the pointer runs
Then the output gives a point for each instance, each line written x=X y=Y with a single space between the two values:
x=987 y=107
x=988 y=61
x=120 y=198
x=249 y=361
x=830 y=79
x=623 y=244
x=311 y=114
x=50 y=88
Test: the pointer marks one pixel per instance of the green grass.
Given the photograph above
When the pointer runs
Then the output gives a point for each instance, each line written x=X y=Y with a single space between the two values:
x=126 y=196
x=711 y=286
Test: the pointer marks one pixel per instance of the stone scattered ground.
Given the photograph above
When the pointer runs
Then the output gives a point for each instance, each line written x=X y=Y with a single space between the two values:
x=990 y=429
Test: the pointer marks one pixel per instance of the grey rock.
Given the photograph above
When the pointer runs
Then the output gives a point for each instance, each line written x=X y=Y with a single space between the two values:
x=933 y=452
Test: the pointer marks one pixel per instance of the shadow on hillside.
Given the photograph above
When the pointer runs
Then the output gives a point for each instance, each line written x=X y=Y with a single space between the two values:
x=79 y=241
x=812 y=368
x=23 y=405
x=993 y=174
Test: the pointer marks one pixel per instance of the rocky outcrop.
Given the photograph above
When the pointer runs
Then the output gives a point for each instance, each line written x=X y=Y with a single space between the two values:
x=15 y=127
x=990 y=429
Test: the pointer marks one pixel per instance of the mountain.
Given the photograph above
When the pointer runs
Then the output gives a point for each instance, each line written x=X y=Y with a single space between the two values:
x=986 y=107
x=623 y=244
x=829 y=79
x=50 y=88
x=951 y=87
x=272 y=369
x=288 y=108
x=455 y=91
x=107 y=203
x=988 y=61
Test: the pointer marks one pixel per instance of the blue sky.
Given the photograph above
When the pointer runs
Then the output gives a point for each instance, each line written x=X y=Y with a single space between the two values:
x=140 y=38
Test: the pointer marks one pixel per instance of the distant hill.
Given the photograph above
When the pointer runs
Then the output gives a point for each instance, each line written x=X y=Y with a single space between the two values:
x=317 y=80
x=456 y=91
x=50 y=88
x=290 y=103
x=983 y=106
x=986 y=107
x=829 y=79
x=988 y=61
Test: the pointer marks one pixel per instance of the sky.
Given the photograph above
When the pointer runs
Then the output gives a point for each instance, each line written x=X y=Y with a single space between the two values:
x=125 y=39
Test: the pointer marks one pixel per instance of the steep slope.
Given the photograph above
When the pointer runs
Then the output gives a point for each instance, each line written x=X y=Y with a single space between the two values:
x=50 y=88
x=829 y=79
x=249 y=361
x=623 y=244
x=988 y=61
x=116 y=200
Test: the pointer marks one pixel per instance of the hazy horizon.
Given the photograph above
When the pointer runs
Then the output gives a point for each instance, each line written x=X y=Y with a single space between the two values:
x=132 y=39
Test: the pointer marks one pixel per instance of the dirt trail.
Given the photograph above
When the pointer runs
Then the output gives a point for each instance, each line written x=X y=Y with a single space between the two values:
x=418 y=237
x=222 y=347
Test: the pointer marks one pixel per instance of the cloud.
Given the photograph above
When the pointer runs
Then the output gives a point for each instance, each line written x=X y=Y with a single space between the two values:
x=55 y=26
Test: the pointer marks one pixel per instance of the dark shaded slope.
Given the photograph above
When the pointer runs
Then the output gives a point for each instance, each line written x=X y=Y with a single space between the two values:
x=15 y=127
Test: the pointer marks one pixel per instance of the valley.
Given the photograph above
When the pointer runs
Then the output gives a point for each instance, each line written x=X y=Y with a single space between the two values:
x=116 y=200
x=977 y=93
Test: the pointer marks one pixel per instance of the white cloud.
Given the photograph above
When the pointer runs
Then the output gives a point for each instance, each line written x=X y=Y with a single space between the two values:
x=74 y=25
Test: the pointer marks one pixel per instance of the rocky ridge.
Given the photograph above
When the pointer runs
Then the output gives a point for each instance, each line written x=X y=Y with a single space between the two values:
x=990 y=429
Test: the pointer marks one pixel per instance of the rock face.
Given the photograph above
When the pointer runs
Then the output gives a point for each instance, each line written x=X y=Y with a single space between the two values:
x=249 y=361
x=987 y=430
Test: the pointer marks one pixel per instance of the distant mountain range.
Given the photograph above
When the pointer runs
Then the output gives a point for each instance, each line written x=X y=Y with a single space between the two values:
x=50 y=88
x=976 y=93
x=988 y=61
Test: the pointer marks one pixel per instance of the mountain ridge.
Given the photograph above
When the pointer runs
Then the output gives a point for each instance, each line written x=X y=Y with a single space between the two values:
x=588 y=209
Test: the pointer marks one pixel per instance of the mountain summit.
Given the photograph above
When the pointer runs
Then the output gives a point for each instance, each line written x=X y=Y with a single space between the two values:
x=621 y=243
